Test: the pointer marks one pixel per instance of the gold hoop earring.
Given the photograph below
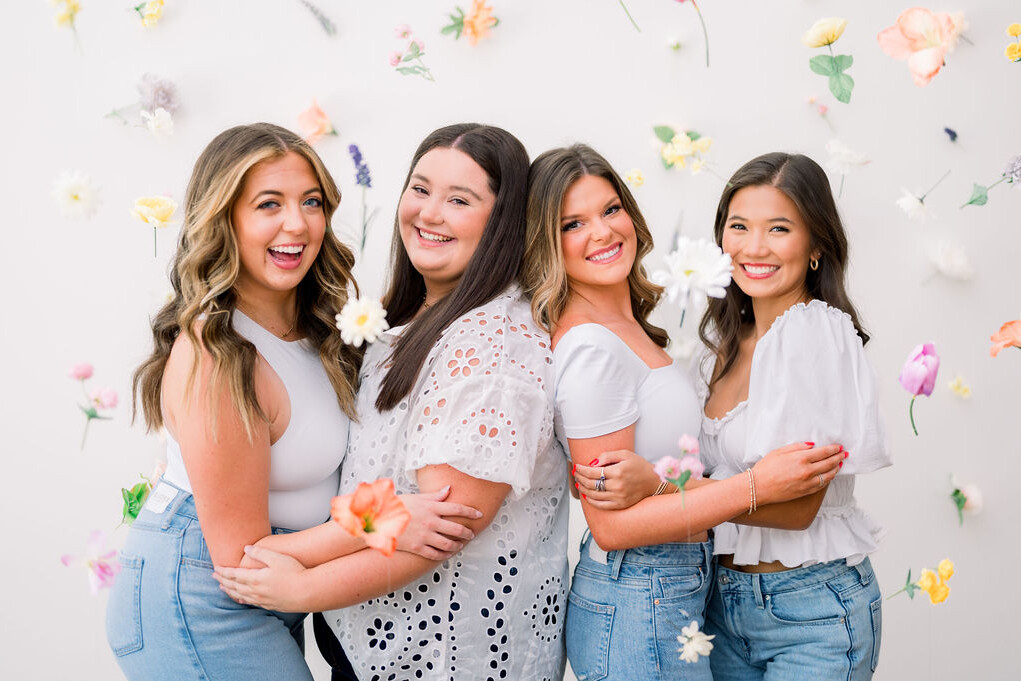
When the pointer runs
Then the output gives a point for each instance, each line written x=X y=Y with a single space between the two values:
x=813 y=263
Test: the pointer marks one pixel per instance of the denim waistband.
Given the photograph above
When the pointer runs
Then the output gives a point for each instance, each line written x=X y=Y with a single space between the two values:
x=671 y=554
x=182 y=505
x=791 y=580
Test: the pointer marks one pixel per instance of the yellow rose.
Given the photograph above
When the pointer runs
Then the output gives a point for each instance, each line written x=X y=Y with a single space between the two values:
x=1014 y=30
x=945 y=569
x=1013 y=51
x=939 y=593
x=928 y=581
x=155 y=211
x=824 y=32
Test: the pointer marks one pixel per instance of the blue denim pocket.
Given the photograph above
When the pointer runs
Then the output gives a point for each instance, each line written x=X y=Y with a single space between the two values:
x=588 y=637
x=813 y=605
x=124 y=609
x=877 y=630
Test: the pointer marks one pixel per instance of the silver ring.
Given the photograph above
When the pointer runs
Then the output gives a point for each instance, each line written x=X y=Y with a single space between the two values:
x=821 y=482
x=601 y=483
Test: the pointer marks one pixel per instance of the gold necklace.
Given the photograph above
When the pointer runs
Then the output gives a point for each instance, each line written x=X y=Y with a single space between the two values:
x=283 y=335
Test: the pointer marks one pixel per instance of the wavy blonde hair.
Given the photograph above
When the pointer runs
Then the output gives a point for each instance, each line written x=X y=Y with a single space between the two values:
x=206 y=268
x=545 y=276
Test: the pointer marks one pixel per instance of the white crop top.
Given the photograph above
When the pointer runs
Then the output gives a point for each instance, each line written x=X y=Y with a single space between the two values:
x=304 y=472
x=603 y=386
x=810 y=380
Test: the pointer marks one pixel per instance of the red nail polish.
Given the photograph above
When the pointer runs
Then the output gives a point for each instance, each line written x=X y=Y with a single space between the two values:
x=847 y=454
x=584 y=497
x=593 y=462
x=574 y=468
x=576 y=486
x=840 y=465
x=810 y=444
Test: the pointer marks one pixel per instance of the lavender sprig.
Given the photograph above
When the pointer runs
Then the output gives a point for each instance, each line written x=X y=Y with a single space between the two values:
x=364 y=180
x=324 y=21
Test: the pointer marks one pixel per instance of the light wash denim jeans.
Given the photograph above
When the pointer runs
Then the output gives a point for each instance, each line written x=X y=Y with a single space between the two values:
x=624 y=616
x=821 y=622
x=168 y=619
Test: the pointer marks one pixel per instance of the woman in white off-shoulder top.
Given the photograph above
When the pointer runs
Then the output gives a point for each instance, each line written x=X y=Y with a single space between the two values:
x=786 y=360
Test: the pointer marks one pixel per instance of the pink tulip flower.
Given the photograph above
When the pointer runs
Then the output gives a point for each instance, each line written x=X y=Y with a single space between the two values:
x=918 y=376
x=81 y=371
x=923 y=38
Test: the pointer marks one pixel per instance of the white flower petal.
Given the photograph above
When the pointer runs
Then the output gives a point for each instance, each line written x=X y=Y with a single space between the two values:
x=76 y=196
x=950 y=260
x=362 y=321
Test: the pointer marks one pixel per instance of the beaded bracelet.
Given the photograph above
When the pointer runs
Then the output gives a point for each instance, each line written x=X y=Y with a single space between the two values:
x=752 y=505
x=661 y=488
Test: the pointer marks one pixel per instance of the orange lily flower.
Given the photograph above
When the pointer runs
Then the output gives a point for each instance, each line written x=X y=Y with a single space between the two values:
x=373 y=513
x=1008 y=335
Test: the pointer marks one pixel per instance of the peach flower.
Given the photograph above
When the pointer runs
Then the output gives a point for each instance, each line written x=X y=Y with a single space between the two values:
x=373 y=513
x=315 y=123
x=1009 y=335
x=923 y=38
x=478 y=21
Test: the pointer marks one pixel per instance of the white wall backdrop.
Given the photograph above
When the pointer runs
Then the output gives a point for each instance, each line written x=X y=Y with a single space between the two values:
x=552 y=73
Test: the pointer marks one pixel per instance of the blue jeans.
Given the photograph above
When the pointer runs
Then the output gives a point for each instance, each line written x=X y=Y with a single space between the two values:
x=823 y=621
x=168 y=619
x=623 y=617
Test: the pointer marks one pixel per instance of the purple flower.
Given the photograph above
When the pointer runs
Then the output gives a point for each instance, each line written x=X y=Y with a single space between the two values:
x=919 y=373
x=157 y=93
x=362 y=177
x=1012 y=172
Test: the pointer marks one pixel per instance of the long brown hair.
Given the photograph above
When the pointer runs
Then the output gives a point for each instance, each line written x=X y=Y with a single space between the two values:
x=806 y=185
x=206 y=267
x=545 y=276
x=495 y=264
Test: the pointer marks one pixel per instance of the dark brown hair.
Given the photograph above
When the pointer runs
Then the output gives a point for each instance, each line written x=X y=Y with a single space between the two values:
x=545 y=276
x=806 y=185
x=495 y=264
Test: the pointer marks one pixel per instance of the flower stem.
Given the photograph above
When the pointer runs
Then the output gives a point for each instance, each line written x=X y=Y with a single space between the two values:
x=153 y=243
x=705 y=33
x=911 y=414
x=922 y=197
x=631 y=18
x=898 y=591
x=365 y=225
x=85 y=432
x=681 y=325
x=840 y=192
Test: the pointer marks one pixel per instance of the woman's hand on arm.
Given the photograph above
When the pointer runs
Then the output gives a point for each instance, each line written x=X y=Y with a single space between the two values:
x=797 y=470
x=628 y=479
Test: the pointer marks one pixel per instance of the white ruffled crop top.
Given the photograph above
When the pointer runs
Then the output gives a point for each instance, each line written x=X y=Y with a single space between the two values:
x=304 y=470
x=810 y=381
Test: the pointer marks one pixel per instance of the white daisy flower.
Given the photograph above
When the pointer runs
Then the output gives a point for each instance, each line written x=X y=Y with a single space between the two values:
x=842 y=158
x=914 y=206
x=695 y=270
x=76 y=196
x=950 y=260
x=362 y=320
x=159 y=122
x=694 y=643
x=972 y=494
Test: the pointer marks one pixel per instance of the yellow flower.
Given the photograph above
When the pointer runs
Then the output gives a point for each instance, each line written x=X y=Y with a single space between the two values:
x=959 y=388
x=824 y=32
x=1013 y=52
x=1014 y=30
x=155 y=211
x=928 y=581
x=152 y=12
x=696 y=166
x=69 y=9
x=674 y=156
x=945 y=569
x=635 y=178
x=478 y=21
x=702 y=144
x=939 y=593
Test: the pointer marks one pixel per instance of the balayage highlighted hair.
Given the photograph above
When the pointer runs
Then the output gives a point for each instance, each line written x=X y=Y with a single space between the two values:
x=206 y=268
x=545 y=276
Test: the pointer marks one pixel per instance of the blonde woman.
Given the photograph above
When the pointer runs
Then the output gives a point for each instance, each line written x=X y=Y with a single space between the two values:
x=256 y=391
x=646 y=570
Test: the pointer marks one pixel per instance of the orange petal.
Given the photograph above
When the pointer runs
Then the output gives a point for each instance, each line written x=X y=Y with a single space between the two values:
x=894 y=43
x=925 y=64
x=916 y=23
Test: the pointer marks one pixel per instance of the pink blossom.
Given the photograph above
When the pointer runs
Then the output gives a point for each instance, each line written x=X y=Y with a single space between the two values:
x=419 y=43
x=104 y=399
x=395 y=58
x=692 y=464
x=81 y=371
x=919 y=373
x=668 y=467
x=402 y=31
x=923 y=38
x=97 y=560
x=688 y=444
x=822 y=109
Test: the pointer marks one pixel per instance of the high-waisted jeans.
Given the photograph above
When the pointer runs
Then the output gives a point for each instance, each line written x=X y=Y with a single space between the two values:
x=624 y=616
x=823 y=621
x=168 y=619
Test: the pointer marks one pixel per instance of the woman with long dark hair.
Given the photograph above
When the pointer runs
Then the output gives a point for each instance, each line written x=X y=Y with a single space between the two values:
x=457 y=393
x=786 y=355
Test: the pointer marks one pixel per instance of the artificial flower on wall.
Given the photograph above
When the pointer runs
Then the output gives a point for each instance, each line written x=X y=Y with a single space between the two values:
x=629 y=17
x=67 y=14
x=314 y=123
x=913 y=204
x=694 y=270
x=958 y=387
x=157 y=102
x=324 y=21
x=1011 y=175
x=918 y=375
x=824 y=33
x=76 y=196
x=101 y=563
x=96 y=401
x=932 y=582
x=160 y=123
x=1009 y=336
x=374 y=513
x=705 y=33
x=150 y=12
x=681 y=148
x=364 y=180
x=821 y=109
x=362 y=320
x=923 y=38
x=967 y=497
x=950 y=260
x=155 y=211
x=475 y=24
x=408 y=62
x=1013 y=51
x=635 y=177
x=843 y=159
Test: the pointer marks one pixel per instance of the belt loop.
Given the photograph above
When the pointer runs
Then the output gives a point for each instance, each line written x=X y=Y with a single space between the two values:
x=863 y=573
x=618 y=558
x=757 y=589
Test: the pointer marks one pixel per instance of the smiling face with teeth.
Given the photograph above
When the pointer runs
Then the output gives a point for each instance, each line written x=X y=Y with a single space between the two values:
x=597 y=236
x=441 y=216
x=770 y=244
x=279 y=222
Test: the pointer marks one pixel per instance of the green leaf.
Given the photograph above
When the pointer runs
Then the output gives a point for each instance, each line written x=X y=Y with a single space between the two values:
x=664 y=133
x=409 y=70
x=842 y=62
x=979 y=196
x=666 y=164
x=450 y=29
x=824 y=65
x=841 y=86
x=959 y=500
x=692 y=135
x=134 y=499
x=910 y=587
x=91 y=413
x=413 y=51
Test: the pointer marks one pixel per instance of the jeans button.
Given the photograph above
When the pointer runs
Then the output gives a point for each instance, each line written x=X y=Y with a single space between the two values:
x=724 y=579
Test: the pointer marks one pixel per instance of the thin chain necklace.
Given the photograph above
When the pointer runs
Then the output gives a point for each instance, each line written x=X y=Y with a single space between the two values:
x=283 y=335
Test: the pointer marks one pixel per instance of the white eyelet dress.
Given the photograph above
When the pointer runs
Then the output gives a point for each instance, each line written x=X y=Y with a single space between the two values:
x=482 y=404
